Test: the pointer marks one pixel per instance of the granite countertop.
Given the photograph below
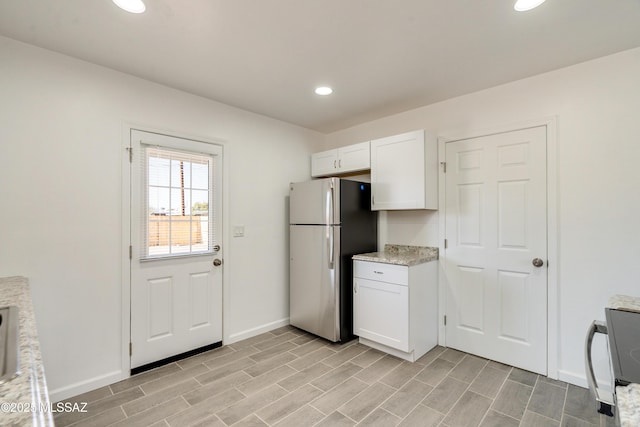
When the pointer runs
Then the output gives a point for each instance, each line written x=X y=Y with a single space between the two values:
x=401 y=255
x=24 y=400
x=625 y=303
x=628 y=403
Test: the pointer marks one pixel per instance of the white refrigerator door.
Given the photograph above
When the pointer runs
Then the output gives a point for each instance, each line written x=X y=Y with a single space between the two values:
x=315 y=202
x=314 y=279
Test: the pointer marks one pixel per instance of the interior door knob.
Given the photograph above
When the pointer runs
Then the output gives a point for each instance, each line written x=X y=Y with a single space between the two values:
x=537 y=262
x=217 y=262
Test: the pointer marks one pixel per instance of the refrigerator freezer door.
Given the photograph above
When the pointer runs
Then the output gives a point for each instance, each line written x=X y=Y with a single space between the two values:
x=314 y=280
x=315 y=202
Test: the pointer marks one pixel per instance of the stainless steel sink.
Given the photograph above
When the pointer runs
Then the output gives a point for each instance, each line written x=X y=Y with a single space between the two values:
x=9 y=343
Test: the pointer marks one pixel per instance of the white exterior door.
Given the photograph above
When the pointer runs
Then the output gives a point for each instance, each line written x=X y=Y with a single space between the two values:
x=496 y=235
x=176 y=228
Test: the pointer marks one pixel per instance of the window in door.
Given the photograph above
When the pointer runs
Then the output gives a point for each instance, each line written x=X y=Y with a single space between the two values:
x=178 y=211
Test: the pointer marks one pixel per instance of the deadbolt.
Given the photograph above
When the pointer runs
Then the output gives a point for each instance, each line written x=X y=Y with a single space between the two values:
x=217 y=262
x=537 y=262
x=216 y=248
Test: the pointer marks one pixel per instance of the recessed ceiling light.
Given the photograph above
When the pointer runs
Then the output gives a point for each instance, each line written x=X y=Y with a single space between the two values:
x=324 y=90
x=133 y=6
x=523 y=5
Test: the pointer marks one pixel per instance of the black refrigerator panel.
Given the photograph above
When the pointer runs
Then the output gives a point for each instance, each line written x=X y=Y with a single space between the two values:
x=359 y=235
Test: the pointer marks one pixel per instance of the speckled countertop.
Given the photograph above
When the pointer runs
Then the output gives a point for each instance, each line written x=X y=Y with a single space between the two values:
x=627 y=398
x=628 y=403
x=24 y=399
x=625 y=303
x=401 y=255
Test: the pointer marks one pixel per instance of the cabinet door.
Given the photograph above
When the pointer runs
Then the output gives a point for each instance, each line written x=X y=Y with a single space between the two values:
x=354 y=157
x=324 y=163
x=381 y=312
x=398 y=172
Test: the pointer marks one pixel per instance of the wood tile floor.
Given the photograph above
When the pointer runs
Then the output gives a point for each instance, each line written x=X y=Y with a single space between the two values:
x=289 y=378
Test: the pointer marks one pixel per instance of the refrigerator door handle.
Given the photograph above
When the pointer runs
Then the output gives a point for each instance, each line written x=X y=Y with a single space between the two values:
x=330 y=203
x=330 y=247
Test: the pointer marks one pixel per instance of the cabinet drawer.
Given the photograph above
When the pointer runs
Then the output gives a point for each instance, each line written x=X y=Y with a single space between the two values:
x=390 y=273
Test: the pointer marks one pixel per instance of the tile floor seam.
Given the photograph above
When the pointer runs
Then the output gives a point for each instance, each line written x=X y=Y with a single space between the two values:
x=347 y=417
x=384 y=401
x=526 y=407
x=414 y=407
x=485 y=412
x=506 y=415
x=499 y=388
x=457 y=400
x=544 y=416
x=564 y=404
x=333 y=388
x=258 y=417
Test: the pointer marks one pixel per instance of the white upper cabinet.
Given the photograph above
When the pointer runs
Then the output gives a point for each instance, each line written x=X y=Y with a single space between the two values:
x=351 y=158
x=404 y=172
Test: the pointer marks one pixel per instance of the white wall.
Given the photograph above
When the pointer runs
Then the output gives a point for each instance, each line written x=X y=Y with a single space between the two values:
x=61 y=126
x=597 y=105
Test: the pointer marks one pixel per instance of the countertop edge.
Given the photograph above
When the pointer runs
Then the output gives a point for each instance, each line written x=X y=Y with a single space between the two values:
x=401 y=255
x=26 y=394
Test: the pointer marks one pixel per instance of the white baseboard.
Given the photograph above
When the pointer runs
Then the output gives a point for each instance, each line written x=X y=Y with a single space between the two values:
x=243 y=335
x=581 y=380
x=56 y=395
x=66 y=392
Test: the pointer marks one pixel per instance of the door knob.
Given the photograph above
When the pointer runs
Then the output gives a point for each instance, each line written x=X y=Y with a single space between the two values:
x=217 y=262
x=537 y=262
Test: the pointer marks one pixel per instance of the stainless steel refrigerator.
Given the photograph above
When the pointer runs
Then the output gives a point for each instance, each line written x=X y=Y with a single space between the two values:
x=330 y=221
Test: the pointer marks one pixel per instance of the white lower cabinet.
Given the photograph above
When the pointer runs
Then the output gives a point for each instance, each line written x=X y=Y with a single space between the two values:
x=395 y=307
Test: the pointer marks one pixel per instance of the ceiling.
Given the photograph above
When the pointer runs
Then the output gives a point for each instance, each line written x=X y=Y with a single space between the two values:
x=380 y=56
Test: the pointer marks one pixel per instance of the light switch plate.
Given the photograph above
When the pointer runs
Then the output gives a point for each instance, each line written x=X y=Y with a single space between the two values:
x=238 y=231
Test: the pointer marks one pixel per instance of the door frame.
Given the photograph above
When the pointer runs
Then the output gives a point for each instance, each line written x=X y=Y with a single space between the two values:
x=552 y=226
x=125 y=173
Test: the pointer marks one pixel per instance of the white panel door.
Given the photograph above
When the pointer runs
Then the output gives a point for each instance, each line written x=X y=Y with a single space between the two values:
x=496 y=226
x=176 y=228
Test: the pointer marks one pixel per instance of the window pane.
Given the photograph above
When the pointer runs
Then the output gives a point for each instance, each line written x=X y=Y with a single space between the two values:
x=158 y=235
x=203 y=244
x=200 y=202
x=200 y=174
x=177 y=201
x=158 y=201
x=180 y=173
x=180 y=235
x=158 y=171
